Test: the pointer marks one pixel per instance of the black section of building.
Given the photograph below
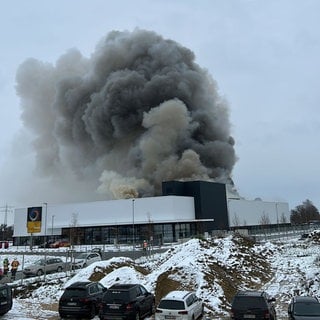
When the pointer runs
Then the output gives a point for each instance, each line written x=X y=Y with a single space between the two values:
x=210 y=201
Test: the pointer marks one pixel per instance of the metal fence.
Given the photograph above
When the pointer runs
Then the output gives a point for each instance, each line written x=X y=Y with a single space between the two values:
x=282 y=232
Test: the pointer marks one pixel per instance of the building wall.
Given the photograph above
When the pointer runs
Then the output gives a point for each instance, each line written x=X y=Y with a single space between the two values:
x=250 y=213
x=210 y=200
x=107 y=213
x=201 y=205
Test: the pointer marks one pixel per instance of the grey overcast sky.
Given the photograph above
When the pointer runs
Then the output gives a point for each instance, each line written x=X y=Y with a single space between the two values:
x=264 y=56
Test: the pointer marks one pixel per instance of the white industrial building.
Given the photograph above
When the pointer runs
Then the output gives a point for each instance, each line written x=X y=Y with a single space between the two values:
x=184 y=210
x=257 y=212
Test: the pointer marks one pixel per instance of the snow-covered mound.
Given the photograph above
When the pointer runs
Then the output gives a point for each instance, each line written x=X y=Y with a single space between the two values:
x=215 y=269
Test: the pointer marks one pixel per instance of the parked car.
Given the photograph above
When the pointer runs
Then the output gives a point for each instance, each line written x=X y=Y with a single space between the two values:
x=180 y=305
x=84 y=259
x=127 y=302
x=60 y=243
x=304 y=236
x=253 y=305
x=5 y=299
x=47 y=244
x=81 y=299
x=97 y=250
x=42 y=266
x=304 y=307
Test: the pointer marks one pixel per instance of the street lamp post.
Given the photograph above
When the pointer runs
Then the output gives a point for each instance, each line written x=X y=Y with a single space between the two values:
x=52 y=220
x=277 y=216
x=45 y=221
x=133 y=233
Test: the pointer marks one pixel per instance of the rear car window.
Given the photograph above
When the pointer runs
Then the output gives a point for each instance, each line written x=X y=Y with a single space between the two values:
x=305 y=308
x=249 y=302
x=116 y=295
x=74 y=293
x=171 y=304
x=4 y=293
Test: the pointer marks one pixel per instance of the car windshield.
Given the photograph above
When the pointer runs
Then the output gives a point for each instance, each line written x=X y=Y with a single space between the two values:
x=82 y=256
x=40 y=262
x=171 y=304
x=307 y=309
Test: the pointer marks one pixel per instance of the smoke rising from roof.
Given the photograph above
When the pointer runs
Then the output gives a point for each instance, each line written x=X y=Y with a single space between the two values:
x=139 y=111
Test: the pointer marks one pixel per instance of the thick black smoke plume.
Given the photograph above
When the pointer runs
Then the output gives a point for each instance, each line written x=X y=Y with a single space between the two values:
x=138 y=112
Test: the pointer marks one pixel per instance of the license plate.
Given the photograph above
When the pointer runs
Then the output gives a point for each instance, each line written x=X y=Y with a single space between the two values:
x=114 y=307
x=71 y=303
x=249 y=316
x=169 y=317
x=4 y=302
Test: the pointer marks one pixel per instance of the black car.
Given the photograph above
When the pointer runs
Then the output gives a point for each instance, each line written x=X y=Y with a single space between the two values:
x=47 y=244
x=127 y=301
x=301 y=308
x=5 y=299
x=252 y=305
x=81 y=299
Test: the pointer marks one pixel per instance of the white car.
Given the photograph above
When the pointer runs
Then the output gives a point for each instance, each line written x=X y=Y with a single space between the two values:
x=84 y=259
x=179 y=305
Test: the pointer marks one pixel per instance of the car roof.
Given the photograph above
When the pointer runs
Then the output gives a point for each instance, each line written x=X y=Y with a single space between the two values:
x=305 y=299
x=80 y=284
x=177 y=294
x=119 y=286
x=89 y=253
x=250 y=293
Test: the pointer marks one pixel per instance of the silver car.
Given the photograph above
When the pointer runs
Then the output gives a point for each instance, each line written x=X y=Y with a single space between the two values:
x=42 y=266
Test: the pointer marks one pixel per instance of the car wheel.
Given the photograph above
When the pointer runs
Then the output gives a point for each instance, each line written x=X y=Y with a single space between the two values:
x=59 y=269
x=39 y=272
x=92 y=313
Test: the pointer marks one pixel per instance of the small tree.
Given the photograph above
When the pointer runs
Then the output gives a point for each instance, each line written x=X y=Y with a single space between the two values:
x=73 y=229
x=6 y=232
x=236 y=220
x=264 y=220
x=283 y=218
x=304 y=213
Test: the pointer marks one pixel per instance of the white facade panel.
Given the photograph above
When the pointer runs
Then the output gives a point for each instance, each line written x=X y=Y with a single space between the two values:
x=251 y=213
x=104 y=213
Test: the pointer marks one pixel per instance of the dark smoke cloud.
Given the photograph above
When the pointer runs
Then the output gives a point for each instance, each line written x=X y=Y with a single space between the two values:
x=139 y=111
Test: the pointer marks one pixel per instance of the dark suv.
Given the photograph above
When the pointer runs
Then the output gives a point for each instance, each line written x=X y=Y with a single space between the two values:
x=81 y=299
x=304 y=308
x=253 y=305
x=5 y=298
x=127 y=301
